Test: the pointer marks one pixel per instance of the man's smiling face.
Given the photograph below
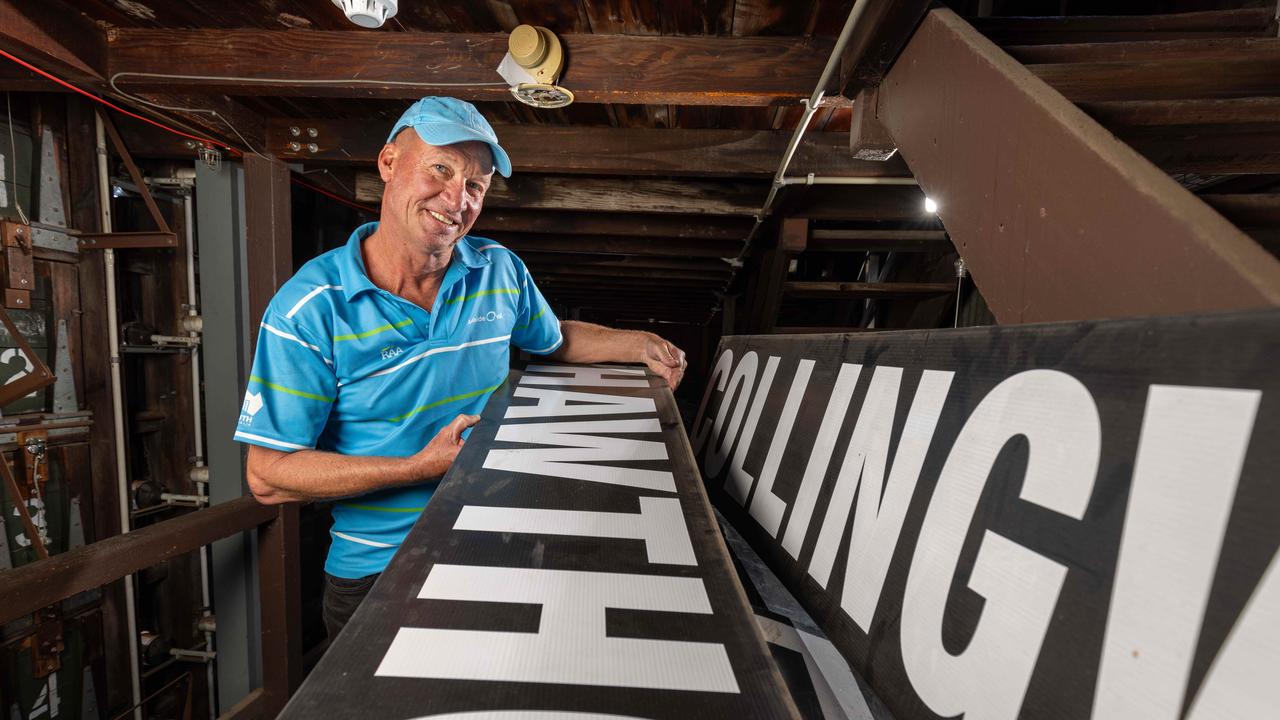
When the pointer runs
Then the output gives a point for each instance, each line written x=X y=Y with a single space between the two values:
x=434 y=193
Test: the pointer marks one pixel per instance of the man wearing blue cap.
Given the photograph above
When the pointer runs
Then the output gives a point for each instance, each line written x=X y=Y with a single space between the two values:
x=375 y=357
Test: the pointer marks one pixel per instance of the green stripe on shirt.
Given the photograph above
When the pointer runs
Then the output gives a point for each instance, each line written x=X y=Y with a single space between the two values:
x=438 y=403
x=541 y=312
x=494 y=291
x=289 y=391
x=371 y=333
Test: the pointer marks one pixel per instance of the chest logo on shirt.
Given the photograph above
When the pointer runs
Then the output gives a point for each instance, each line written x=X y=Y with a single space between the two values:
x=391 y=351
x=486 y=317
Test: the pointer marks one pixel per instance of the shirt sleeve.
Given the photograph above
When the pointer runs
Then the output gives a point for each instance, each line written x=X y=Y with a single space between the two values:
x=291 y=388
x=537 y=329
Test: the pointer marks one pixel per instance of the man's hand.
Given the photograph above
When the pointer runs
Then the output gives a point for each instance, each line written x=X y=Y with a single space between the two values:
x=665 y=359
x=438 y=455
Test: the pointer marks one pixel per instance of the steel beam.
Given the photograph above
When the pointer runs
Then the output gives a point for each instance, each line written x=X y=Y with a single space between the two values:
x=224 y=303
x=1055 y=217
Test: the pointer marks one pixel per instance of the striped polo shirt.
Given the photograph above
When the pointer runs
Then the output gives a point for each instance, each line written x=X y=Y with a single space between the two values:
x=345 y=366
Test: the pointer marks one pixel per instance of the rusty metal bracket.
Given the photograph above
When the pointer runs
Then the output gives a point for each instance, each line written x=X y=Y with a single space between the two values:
x=162 y=237
x=35 y=444
x=18 y=264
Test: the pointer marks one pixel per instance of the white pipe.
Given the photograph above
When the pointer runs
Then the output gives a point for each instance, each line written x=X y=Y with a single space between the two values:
x=810 y=107
x=197 y=417
x=117 y=410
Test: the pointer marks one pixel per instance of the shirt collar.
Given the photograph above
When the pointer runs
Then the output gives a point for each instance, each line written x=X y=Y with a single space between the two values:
x=355 y=279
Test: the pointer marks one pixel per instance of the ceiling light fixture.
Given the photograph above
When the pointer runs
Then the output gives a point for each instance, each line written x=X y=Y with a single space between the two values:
x=930 y=206
x=367 y=13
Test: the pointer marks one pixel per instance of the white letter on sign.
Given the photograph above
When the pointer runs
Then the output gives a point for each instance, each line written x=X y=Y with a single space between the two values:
x=819 y=458
x=593 y=375
x=739 y=482
x=580 y=448
x=570 y=646
x=660 y=524
x=555 y=403
x=719 y=375
x=1190 y=453
x=766 y=507
x=721 y=441
x=1241 y=682
x=882 y=506
x=989 y=679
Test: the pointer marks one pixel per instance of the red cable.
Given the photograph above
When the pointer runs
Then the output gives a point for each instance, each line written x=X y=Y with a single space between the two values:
x=113 y=106
x=149 y=121
x=339 y=198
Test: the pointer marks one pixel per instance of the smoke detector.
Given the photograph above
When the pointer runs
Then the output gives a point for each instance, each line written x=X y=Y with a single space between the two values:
x=367 y=13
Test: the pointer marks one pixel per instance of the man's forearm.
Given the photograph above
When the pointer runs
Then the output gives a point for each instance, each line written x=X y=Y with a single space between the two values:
x=589 y=343
x=318 y=475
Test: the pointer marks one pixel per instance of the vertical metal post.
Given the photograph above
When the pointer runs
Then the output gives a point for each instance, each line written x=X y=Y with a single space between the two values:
x=220 y=223
x=269 y=229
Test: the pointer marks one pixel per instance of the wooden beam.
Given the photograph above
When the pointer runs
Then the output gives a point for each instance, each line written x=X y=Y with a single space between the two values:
x=600 y=222
x=1055 y=217
x=617 y=195
x=1118 y=115
x=604 y=274
x=1210 y=149
x=601 y=68
x=1146 y=51
x=849 y=290
x=871 y=203
x=1163 y=80
x=641 y=246
x=234 y=123
x=589 y=259
x=601 y=150
x=53 y=37
x=623 y=195
x=833 y=240
x=1254 y=22
x=868 y=138
x=25 y=589
x=1251 y=210
x=881 y=32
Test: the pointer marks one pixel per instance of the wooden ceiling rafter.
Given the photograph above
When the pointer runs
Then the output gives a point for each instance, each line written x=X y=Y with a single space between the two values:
x=663 y=70
x=600 y=150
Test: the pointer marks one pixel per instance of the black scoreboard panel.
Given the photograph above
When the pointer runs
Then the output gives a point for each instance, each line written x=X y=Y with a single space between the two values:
x=569 y=565
x=1057 y=521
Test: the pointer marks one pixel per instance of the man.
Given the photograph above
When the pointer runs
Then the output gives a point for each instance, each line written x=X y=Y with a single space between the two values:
x=374 y=359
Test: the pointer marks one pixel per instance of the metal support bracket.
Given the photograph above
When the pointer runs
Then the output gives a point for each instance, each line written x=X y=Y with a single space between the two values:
x=163 y=237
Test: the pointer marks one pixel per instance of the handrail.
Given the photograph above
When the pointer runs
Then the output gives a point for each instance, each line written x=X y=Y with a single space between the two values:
x=28 y=588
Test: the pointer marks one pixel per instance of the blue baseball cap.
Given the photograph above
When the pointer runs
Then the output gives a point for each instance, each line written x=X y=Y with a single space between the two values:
x=446 y=120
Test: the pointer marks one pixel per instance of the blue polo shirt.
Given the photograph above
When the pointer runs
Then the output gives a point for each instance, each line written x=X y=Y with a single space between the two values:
x=345 y=366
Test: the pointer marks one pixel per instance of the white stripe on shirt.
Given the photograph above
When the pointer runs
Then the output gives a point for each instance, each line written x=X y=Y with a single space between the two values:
x=549 y=348
x=436 y=351
x=307 y=298
x=362 y=541
x=295 y=338
x=270 y=441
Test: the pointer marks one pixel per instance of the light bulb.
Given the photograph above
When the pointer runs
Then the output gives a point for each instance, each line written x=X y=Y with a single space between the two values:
x=929 y=205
